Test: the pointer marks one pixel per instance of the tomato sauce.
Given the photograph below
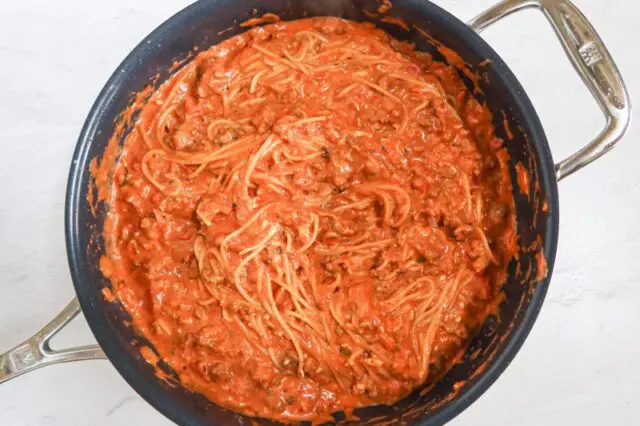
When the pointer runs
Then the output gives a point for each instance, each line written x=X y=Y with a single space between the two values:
x=522 y=178
x=310 y=217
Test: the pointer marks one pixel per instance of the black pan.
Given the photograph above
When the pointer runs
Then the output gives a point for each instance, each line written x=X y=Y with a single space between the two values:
x=501 y=336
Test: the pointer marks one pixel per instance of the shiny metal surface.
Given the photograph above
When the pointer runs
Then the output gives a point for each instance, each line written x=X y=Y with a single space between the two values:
x=590 y=58
x=36 y=351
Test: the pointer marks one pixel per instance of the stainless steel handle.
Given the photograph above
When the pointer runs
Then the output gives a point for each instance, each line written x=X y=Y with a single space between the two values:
x=591 y=59
x=36 y=351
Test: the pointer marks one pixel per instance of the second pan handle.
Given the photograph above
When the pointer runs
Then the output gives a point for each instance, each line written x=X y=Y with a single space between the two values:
x=591 y=59
x=36 y=351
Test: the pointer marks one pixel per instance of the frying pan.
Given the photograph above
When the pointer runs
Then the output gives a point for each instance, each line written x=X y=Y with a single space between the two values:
x=500 y=337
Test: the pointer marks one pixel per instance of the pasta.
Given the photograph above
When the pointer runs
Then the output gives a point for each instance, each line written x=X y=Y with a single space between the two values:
x=310 y=217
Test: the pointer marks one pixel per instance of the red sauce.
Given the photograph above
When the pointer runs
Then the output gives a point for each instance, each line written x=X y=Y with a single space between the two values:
x=108 y=294
x=507 y=126
x=454 y=59
x=309 y=217
x=267 y=18
x=149 y=356
x=522 y=176
x=395 y=21
x=385 y=6
x=541 y=266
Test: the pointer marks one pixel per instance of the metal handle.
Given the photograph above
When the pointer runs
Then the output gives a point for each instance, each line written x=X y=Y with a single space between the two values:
x=591 y=60
x=36 y=352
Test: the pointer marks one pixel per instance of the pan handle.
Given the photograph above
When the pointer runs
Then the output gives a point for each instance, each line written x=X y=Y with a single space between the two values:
x=36 y=351
x=592 y=61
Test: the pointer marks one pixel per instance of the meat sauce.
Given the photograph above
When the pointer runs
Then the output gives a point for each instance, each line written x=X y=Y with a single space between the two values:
x=310 y=217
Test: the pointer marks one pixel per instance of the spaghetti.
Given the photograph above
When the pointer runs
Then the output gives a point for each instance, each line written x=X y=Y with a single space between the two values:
x=310 y=217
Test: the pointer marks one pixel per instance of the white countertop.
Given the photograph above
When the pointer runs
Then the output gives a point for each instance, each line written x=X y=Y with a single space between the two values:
x=579 y=364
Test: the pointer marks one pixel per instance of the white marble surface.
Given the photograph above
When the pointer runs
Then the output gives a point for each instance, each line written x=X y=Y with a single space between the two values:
x=580 y=363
